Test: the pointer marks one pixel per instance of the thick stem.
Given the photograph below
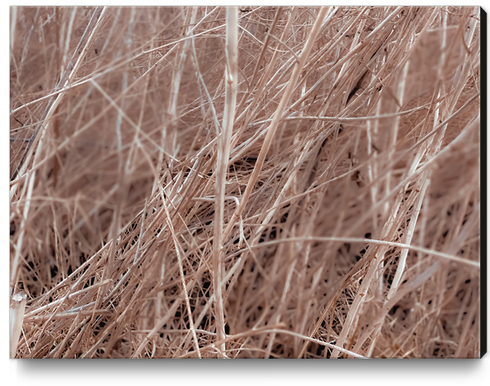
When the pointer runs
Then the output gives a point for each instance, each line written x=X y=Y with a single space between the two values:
x=224 y=141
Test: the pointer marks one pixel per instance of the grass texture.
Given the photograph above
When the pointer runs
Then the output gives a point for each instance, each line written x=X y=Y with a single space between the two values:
x=245 y=182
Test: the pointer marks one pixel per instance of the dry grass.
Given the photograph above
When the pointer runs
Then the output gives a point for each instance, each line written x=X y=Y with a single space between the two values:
x=258 y=182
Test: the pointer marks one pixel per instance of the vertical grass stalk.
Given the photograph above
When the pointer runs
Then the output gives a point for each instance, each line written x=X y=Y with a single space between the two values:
x=224 y=140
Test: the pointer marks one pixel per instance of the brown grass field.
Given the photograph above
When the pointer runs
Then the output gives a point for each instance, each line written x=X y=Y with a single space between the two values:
x=245 y=182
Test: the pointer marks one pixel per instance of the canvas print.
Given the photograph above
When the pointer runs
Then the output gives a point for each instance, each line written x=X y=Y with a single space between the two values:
x=246 y=182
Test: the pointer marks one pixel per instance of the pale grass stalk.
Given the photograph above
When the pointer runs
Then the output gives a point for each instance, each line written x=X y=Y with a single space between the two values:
x=372 y=175
x=24 y=50
x=32 y=313
x=261 y=87
x=13 y=22
x=18 y=247
x=277 y=116
x=350 y=119
x=411 y=228
x=394 y=132
x=201 y=80
x=277 y=318
x=179 y=63
x=17 y=307
x=261 y=57
x=268 y=330
x=224 y=142
x=468 y=321
x=431 y=252
x=68 y=38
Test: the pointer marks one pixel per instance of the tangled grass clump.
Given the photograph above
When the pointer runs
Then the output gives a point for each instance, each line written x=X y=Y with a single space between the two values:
x=245 y=182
